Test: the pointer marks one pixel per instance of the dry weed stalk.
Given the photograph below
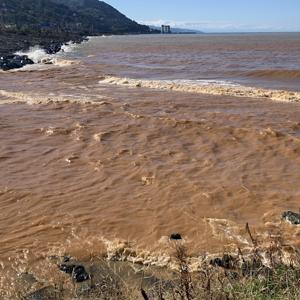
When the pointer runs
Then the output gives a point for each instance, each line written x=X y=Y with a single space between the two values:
x=186 y=286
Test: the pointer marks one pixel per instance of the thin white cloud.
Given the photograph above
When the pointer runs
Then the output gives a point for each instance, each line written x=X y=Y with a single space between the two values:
x=217 y=26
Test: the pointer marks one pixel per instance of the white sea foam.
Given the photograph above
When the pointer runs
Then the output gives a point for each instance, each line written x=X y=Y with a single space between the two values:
x=209 y=87
x=41 y=58
x=202 y=82
x=67 y=48
x=36 y=54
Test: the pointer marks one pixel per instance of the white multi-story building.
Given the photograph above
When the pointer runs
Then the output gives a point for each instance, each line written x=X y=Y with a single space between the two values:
x=165 y=29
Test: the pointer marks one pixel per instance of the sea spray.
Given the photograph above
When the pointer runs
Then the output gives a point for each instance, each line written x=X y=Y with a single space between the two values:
x=40 y=56
x=36 y=54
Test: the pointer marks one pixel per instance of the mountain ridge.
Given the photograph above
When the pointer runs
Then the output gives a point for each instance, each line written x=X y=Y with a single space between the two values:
x=52 y=23
x=90 y=17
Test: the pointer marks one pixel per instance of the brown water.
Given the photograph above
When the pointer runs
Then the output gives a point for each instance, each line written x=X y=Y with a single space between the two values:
x=92 y=162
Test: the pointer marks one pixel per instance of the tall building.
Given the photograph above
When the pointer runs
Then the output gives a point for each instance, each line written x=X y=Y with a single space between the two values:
x=165 y=29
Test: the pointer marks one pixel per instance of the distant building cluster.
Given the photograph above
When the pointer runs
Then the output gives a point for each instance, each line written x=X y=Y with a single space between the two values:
x=165 y=29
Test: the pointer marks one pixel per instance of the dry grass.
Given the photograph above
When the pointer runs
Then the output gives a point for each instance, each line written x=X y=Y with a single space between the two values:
x=262 y=273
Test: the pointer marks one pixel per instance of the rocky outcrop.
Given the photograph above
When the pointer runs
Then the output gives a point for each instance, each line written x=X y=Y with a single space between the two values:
x=51 y=46
x=175 y=237
x=291 y=217
x=51 y=23
x=226 y=262
x=78 y=272
x=9 y=62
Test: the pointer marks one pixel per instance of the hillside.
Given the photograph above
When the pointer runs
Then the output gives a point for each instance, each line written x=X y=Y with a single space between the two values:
x=103 y=18
x=51 y=23
x=88 y=17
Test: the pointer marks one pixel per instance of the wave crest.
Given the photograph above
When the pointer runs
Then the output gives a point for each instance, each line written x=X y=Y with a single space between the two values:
x=39 y=56
x=36 y=54
x=216 y=88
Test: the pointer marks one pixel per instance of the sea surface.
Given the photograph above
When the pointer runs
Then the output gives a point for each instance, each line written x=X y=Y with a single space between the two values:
x=124 y=140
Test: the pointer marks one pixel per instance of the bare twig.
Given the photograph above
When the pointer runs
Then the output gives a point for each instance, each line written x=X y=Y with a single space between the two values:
x=253 y=240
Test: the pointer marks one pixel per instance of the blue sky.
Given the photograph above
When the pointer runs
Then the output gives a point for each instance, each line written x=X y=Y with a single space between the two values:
x=215 y=15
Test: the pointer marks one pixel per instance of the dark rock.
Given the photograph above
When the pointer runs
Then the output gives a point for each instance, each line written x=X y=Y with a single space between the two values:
x=66 y=258
x=293 y=218
x=79 y=274
x=216 y=262
x=226 y=262
x=53 y=48
x=66 y=268
x=9 y=62
x=175 y=237
x=60 y=259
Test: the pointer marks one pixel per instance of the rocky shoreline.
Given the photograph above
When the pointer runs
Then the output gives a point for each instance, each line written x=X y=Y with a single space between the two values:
x=21 y=42
x=228 y=276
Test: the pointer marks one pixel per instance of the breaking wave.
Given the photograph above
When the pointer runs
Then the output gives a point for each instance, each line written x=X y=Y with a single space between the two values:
x=210 y=87
x=39 y=56
x=36 y=54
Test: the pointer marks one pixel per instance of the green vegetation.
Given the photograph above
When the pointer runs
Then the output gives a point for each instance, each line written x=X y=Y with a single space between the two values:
x=280 y=283
x=86 y=17
x=26 y=23
x=264 y=273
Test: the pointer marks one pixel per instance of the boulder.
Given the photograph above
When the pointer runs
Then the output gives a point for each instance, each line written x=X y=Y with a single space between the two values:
x=291 y=217
x=226 y=262
x=175 y=237
x=9 y=62
x=53 y=48
x=67 y=268
x=78 y=272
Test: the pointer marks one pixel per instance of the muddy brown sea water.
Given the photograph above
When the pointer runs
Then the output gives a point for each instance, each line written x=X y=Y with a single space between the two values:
x=89 y=166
